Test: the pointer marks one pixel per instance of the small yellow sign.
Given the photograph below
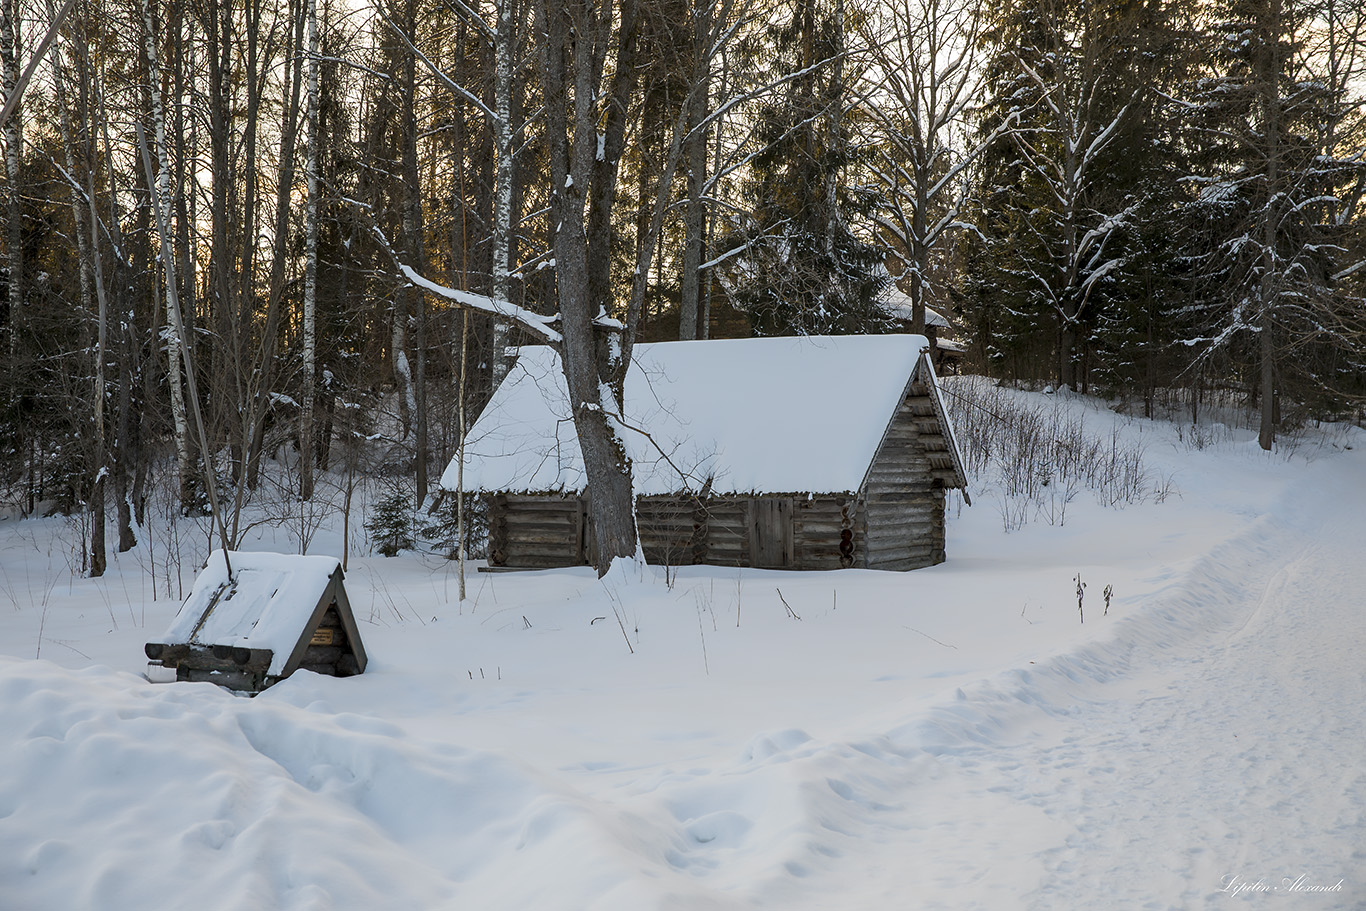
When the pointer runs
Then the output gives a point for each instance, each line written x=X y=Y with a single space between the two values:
x=322 y=637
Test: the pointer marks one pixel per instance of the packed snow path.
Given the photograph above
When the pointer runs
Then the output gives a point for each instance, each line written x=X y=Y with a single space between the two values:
x=1244 y=772
x=1216 y=758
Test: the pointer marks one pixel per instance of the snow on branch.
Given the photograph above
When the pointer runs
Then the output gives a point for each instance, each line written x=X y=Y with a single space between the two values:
x=436 y=71
x=533 y=322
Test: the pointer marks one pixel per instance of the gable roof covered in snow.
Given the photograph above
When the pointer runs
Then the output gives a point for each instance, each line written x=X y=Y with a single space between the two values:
x=276 y=614
x=803 y=414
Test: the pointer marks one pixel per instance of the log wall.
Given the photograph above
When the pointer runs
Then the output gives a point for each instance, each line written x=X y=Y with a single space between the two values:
x=904 y=490
x=771 y=532
x=536 y=531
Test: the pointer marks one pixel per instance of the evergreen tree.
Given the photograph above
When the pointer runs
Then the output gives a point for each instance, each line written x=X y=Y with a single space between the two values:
x=1064 y=184
x=803 y=269
x=391 y=524
x=1274 y=210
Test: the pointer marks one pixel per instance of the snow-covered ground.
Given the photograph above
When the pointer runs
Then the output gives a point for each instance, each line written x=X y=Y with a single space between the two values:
x=956 y=737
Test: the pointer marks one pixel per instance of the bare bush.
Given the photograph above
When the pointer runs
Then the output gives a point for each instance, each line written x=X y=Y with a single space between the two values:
x=1039 y=454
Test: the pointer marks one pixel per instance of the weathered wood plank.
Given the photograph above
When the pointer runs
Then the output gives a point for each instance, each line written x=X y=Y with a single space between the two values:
x=878 y=555
x=895 y=499
x=235 y=679
x=537 y=561
x=902 y=533
x=560 y=549
x=540 y=517
x=821 y=530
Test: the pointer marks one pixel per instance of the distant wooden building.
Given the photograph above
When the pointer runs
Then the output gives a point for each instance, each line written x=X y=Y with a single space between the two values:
x=947 y=351
x=278 y=613
x=797 y=453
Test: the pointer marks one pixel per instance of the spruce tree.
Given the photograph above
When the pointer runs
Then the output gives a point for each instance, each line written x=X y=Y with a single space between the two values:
x=803 y=270
x=1063 y=185
x=1274 y=212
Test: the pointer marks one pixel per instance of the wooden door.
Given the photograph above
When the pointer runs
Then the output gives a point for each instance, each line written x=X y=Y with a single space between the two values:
x=770 y=532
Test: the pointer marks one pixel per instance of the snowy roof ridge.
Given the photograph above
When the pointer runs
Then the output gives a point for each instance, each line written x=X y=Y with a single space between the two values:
x=790 y=415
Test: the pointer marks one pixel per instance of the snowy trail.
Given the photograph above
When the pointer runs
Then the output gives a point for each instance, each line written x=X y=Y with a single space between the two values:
x=1208 y=754
x=1194 y=772
x=1244 y=776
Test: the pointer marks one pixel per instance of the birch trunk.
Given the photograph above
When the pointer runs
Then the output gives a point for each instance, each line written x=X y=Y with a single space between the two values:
x=502 y=200
x=412 y=376
x=310 y=265
x=9 y=54
x=162 y=192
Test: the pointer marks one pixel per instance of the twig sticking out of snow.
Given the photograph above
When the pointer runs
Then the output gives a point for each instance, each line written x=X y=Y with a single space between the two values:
x=929 y=637
x=616 y=612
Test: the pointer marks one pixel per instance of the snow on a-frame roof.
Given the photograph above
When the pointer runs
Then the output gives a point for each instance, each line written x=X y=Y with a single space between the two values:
x=273 y=597
x=782 y=415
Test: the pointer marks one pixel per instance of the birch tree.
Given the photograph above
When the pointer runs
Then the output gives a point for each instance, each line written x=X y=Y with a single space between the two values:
x=503 y=37
x=306 y=432
x=162 y=200
x=263 y=376
x=9 y=69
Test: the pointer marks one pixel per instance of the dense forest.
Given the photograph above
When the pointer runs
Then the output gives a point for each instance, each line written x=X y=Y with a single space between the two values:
x=283 y=232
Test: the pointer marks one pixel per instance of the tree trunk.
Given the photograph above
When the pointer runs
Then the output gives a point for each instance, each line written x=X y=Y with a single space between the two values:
x=1268 y=69
x=310 y=266
x=1266 y=432
x=120 y=298
x=85 y=218
x=1067 y=354
x=503 y=88
x=162 y=199
x=582 y=176
x=9 y=46
x=97 y=494
x=257 y=404
x=695 y=154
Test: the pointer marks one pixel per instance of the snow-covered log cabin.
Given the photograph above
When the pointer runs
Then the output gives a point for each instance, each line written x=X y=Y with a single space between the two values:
x=795 y=453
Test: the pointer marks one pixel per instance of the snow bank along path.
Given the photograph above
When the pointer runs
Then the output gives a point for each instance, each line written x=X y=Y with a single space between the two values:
x=1207 y=744
x=1210 y=756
